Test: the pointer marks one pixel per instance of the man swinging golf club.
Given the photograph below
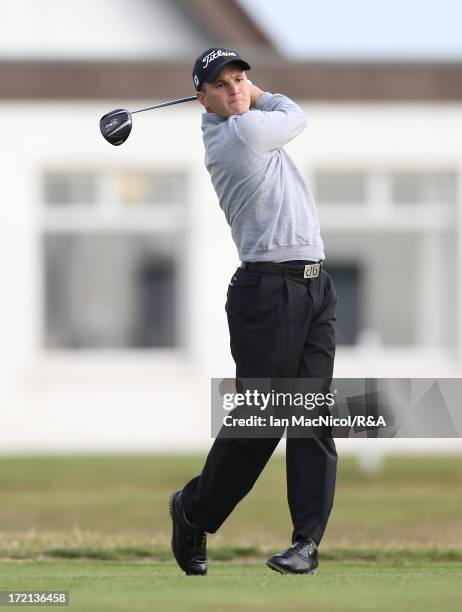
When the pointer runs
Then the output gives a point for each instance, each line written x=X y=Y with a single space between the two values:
x=280 y=307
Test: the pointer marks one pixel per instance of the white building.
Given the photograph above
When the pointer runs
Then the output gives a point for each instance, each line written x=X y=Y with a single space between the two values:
x=115 y=260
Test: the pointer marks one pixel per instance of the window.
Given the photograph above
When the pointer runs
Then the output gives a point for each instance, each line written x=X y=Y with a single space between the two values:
x=137 y=188
x=124 y=188
x=424 y=188
x=110 y=268
x=64 y=189
x=340 y=187
x=109 y=291
x=347 y=283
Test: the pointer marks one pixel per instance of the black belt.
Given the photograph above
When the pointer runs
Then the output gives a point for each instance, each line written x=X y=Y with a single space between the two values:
x=307 y=269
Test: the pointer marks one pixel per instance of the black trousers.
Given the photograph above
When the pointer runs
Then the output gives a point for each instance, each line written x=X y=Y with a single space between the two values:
x=279 y=327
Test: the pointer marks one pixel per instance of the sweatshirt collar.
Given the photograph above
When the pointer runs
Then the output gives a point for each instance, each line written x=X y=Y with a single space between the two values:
x=212 y=119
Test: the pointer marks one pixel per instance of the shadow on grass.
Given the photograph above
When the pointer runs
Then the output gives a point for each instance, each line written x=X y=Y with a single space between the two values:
x=228 y=553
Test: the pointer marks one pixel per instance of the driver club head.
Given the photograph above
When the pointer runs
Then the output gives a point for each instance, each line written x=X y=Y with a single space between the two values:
x=116 y=126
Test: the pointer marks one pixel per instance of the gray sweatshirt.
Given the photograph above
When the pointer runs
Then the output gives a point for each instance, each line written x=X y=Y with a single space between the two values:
x=266 y=202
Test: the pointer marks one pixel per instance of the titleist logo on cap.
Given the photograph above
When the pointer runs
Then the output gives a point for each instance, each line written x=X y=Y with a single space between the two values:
x=209 y=63
x=213 y=56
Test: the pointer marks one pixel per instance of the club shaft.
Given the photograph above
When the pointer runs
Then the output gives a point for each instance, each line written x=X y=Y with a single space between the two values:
x=179 y=101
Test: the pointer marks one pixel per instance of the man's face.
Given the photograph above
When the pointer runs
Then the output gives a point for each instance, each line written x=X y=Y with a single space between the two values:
x=228 y=95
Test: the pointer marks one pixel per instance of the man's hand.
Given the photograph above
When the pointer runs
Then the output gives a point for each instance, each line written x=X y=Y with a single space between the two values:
x=255 y=93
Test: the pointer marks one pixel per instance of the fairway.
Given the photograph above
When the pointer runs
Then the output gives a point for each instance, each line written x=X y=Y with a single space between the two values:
x=99 y=527
x=111 y=586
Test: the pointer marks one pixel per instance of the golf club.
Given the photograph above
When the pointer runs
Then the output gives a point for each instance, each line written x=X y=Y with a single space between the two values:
x=116 y=125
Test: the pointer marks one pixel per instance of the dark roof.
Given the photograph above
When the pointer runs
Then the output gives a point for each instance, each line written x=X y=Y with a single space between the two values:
x=323 y=81
x=225 y=23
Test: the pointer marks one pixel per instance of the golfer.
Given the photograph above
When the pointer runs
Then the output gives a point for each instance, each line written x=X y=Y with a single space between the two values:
x=280 y=307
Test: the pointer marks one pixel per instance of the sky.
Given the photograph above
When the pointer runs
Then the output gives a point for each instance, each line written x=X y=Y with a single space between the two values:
x=363 y=28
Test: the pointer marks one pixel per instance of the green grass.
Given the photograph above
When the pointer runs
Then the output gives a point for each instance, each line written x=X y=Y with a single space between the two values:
x=99 y=527
x=110 y=586
x=108 y=503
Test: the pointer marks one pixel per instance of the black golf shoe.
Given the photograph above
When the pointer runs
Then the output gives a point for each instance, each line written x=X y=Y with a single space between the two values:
x=189 y=543
x=301 y=558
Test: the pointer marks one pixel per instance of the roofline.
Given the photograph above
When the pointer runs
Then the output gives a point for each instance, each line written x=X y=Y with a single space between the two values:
x=225 y=23
x=312 y=81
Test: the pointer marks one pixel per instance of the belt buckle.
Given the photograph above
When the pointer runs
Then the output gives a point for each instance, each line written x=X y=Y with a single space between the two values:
x=312 y=270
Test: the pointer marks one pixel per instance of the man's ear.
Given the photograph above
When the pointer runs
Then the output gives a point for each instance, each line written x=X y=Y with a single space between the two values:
x=201 y=97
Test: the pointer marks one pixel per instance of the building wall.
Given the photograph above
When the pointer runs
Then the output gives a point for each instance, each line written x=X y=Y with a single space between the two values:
x=159 y=399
